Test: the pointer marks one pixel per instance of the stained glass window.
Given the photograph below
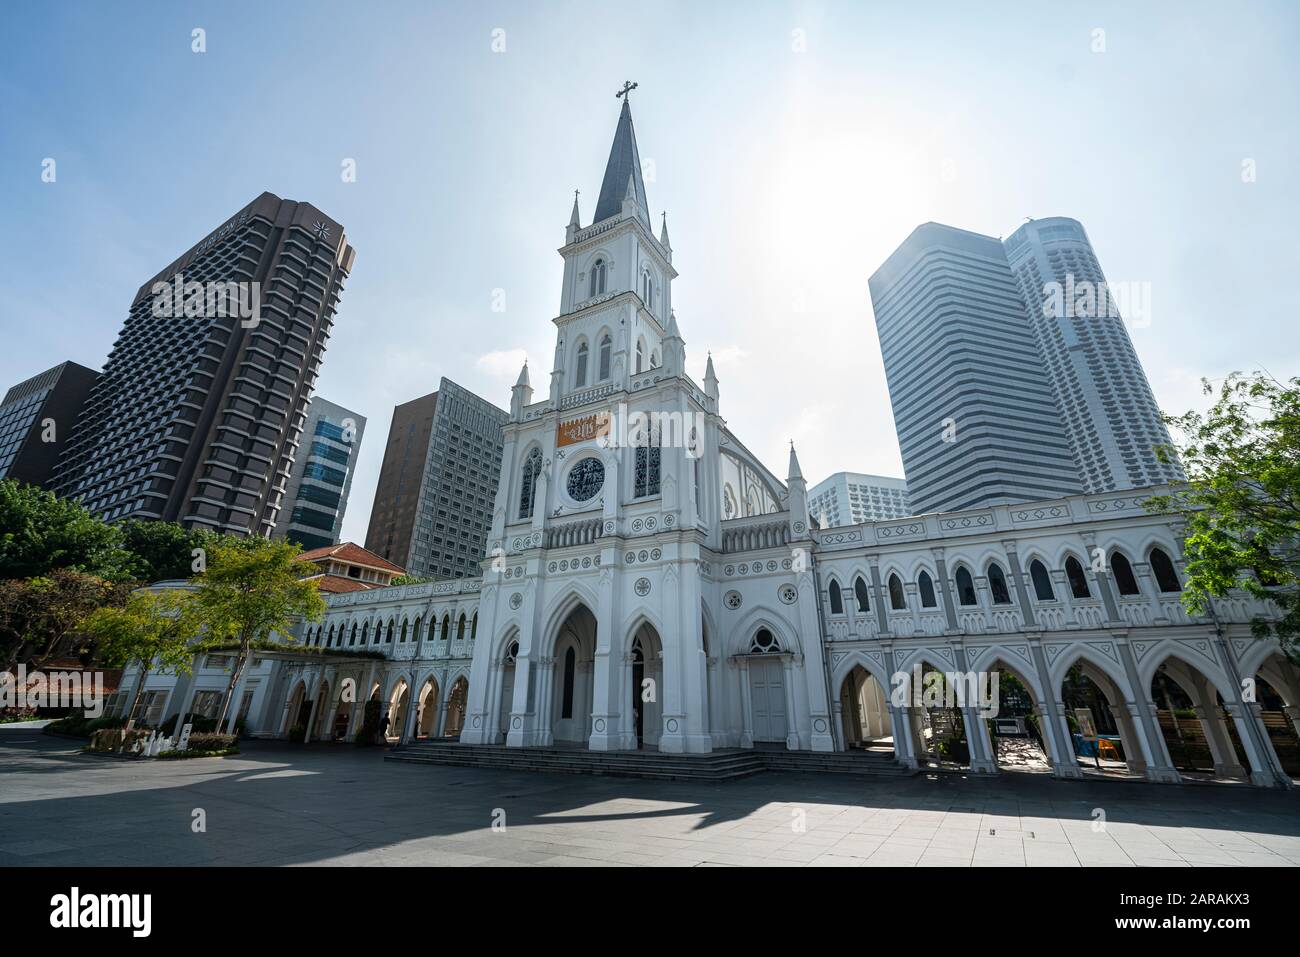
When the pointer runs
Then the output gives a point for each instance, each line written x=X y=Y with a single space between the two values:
x=528 y=483
x=585 y=479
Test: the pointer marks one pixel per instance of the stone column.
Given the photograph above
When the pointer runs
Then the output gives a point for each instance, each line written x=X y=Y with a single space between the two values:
x=746 y=705
x=315 y=704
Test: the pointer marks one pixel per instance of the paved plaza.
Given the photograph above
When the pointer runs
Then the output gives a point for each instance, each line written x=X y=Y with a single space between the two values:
x=279 y=805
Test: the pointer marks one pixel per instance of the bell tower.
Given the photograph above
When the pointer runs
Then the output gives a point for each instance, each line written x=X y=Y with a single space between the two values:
x=616 y=295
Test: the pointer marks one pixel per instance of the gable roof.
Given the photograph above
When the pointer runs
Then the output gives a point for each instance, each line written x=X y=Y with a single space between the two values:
x=353 y=553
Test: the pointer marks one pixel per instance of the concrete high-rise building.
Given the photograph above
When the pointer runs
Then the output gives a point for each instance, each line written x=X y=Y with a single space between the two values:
x=849 y=498
x=317 y=494
x=975 y=414
x=1103 y=397
x=36 y=420
x=203 y=398
x=437 y=485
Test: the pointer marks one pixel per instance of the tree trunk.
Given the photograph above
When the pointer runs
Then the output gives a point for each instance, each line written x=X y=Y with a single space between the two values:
x=234 y=679
x=139 y=689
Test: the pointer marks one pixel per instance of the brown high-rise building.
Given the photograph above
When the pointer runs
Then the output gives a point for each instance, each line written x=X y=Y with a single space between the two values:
x=198 y=413
x=438 y=483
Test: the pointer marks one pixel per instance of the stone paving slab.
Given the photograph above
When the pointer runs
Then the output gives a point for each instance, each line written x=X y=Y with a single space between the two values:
x=342 y=806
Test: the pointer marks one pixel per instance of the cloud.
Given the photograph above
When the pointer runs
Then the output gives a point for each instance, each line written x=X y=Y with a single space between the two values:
x=502 y=363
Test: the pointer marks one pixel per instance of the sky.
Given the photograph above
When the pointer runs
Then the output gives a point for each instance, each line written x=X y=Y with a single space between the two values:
x=792 y=145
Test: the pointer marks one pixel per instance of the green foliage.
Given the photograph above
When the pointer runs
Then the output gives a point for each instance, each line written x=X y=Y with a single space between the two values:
x=41 y=617
x=410 y=580
x=40 y=532
x=162 y=551
x=253 y=588
x=1241 y=503
x=155 y=631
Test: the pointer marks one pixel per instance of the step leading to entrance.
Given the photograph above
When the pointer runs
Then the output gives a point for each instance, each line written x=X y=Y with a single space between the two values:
x=717 y=766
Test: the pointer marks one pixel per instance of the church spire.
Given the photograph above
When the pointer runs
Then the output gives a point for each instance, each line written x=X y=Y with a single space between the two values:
x=575 y=221
x=795 y=472
x=663 y=233
x=622 y=172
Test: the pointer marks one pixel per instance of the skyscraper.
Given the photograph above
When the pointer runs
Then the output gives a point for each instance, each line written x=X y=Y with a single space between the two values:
x=317 y=494
x=1103 y=397
x=36 y=420
x=437 y=484
x=975 y=414
x=849 y=498
x=203 y=398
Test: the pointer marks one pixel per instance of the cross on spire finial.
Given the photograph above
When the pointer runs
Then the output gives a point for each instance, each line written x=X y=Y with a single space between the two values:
x=628 y=87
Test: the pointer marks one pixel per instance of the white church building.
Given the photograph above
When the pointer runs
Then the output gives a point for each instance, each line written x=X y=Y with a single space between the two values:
x=650 y=584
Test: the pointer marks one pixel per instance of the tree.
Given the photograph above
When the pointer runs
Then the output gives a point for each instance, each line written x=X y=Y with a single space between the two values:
x=252 y=588
x=153 y=630
x=40 y=532
x=1241 y=502
x=41 y=617
x=409 y=580
x=165 y=550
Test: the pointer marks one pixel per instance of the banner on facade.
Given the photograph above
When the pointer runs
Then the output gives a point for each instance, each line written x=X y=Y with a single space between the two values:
x=582 y=430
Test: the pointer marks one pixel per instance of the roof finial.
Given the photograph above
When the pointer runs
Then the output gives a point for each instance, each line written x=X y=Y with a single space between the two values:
x=628 y=87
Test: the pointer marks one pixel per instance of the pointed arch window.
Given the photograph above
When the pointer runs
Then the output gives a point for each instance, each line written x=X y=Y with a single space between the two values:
x=897 y=599
x=402 y=637
x=764 y=643
x=460 y=627
x=925 y=585
x=528 y=483
x=1163 y=568
x=837 y=599
x=1042 y=581
x=648 y=290
x=646 y=479
x=473 y=627
x=580 y=366
x=640 y=355
x=352 y=639
x=570 y=671
x=965 y=588
x=998 y=585
x=1075 y=576
x=446 y=627
x=606 y=346
x=597 y=284
x=862 y=595
x=1123 y=572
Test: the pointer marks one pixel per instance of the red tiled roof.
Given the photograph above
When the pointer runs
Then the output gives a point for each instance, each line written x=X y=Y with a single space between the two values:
x=351 y=552
x=337 y=584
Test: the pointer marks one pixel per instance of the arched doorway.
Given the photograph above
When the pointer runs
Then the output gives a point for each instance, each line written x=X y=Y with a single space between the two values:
x=426 y=725
x=507 y=682
x=864 y=710
x=645 y=687
x=398 y=702
x=456 y=708
x=318 y=728
x=767 y=698
x=571 y=683
x=298 y=712
x=1276 y=697
x=939 y=725
x=1020 y=737
x=1103 y=736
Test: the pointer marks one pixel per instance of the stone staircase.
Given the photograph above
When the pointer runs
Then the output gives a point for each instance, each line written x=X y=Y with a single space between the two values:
x=717 y=766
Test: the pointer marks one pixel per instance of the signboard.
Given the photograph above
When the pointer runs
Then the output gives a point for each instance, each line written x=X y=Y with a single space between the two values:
x=582 y=430
x=1086 y=726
